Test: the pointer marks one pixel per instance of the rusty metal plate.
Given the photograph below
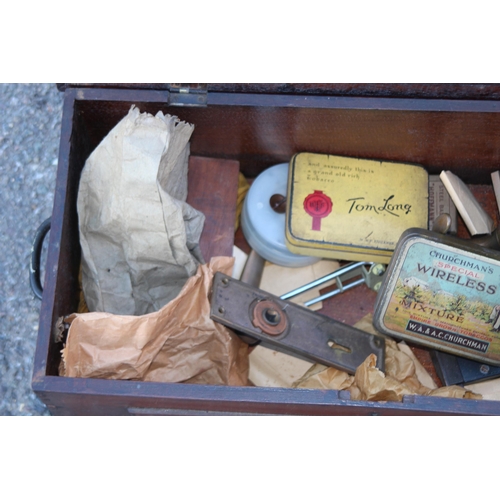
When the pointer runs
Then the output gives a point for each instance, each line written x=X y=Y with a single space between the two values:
x=290 y=328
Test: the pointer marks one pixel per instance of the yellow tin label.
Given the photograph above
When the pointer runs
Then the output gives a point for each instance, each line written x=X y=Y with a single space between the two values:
x=343 y=207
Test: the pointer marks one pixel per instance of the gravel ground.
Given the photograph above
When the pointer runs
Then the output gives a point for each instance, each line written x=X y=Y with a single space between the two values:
x=30 y=125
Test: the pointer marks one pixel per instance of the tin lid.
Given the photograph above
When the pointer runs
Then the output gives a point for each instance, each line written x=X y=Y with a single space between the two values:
x=263 y=227
x=442 y=292
x=351 y=205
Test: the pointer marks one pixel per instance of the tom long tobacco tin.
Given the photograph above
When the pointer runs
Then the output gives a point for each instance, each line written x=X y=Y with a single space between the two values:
x=352 y=208
x=444 y=293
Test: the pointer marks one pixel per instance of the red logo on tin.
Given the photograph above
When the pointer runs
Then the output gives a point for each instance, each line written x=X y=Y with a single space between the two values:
x=318 y=205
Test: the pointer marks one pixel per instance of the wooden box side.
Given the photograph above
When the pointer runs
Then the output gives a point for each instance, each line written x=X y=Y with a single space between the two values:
x=257 y=131
x=74 y=396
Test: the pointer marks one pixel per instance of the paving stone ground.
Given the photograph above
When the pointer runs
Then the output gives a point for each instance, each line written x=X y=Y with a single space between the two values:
x=30 y=126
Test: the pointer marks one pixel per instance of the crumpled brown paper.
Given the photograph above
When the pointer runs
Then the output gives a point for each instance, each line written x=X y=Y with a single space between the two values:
x=139 y=237
x=178 y=343
x=370 y=384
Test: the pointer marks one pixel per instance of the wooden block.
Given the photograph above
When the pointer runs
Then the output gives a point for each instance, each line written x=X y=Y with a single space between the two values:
x=475 y=217
x=213 y=189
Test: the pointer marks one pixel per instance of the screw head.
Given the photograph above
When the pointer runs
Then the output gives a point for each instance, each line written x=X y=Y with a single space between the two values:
x=378 y=269
x=272 y=316
x=278 y=203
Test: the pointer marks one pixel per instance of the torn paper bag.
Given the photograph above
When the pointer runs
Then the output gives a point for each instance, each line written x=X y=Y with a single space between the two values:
x=139 y=237
x=403 y=376
x=178 y=343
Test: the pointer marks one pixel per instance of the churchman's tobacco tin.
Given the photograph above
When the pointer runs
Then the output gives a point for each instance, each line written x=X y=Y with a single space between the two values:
x=442 y=292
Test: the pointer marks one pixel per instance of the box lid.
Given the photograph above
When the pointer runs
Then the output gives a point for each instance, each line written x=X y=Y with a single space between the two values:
x=478 y=91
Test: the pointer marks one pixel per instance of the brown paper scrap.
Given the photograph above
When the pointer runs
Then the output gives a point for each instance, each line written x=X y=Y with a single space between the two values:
x=489 y=389
x=422 y=374
x=178 y=343
x=370 y=384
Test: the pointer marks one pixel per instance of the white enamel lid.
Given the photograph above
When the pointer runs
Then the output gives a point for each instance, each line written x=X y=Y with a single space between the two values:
x=264 y=229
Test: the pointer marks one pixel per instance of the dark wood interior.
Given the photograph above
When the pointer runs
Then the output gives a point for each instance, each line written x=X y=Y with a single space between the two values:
x=259 y=130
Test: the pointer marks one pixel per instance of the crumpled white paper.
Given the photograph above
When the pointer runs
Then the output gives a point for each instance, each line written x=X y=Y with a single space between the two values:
x=139 y=237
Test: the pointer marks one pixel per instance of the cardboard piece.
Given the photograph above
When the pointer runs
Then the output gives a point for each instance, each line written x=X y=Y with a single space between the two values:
x=270 y=368
x=489 y=389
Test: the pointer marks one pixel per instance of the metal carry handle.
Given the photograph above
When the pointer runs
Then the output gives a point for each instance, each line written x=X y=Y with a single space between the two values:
x=36 y=252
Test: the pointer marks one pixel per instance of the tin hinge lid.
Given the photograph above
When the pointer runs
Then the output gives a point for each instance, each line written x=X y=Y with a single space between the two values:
x=479 y=91
x=180 y=94
x=188 y=94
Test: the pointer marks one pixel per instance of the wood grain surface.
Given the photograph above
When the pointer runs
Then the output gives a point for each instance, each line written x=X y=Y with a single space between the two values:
x=213 y=188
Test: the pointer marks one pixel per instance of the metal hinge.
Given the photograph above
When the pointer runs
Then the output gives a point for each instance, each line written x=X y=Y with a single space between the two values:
x=188 y=94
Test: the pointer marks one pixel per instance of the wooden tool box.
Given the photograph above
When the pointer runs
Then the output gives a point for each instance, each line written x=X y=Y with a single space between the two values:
x=451 y=126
